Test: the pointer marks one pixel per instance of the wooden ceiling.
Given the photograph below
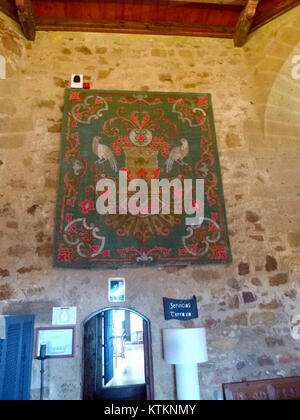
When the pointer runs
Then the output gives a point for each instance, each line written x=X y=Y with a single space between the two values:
x=216 y=18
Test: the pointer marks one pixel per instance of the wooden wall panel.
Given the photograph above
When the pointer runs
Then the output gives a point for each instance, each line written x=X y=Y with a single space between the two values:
x=279 y=389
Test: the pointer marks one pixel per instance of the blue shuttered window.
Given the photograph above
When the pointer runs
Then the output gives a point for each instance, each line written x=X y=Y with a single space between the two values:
x=16 y=358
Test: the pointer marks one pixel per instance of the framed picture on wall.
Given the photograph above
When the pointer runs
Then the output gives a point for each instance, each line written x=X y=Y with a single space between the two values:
x=59 y=341
x=116 y=290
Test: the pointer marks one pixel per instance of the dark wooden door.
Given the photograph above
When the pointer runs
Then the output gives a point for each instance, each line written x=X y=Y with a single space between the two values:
x=127 y=326
x=98 y=371
x=108 y=347
x=148 y=361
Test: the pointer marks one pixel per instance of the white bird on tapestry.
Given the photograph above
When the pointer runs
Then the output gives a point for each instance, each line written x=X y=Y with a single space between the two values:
x=177 y=154
x=104 y=153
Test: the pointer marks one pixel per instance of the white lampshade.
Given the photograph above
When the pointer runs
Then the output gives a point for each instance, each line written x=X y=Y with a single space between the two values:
x=185 y=346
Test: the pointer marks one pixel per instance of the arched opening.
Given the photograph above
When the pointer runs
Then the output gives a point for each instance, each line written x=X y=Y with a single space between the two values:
x=117 y=356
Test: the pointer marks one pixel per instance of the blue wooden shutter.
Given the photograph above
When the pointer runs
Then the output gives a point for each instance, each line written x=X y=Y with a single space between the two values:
x=3 y=344
x=26 y=360
x=16 y=358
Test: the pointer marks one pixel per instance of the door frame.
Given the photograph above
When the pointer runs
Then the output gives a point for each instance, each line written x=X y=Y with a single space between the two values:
x=147 y=355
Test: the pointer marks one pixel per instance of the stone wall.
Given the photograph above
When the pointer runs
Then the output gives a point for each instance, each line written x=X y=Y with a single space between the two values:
x=247 y=306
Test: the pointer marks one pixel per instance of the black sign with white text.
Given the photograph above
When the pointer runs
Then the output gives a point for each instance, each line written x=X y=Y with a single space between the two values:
x=180 y=309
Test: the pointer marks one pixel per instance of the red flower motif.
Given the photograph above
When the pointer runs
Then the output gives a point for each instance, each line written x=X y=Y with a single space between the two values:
x=221 y=252
x=74 y=96
x=94 y=249
x=156 y=172
x=193 y=248
x=214 y=216
x=141 y=172
x=105 y=253
x=69 y=217
x=211 y=227
x=64 y=255
x=202 y=101
x=87 y=205
x=181 y=251
x=72 y=229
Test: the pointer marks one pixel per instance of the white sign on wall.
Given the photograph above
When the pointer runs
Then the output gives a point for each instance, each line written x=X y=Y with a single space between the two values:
x=59 y=341
x=116 y=289
x=64 y=315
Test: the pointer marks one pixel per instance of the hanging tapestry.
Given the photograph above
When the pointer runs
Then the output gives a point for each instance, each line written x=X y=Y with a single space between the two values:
x=121 y=154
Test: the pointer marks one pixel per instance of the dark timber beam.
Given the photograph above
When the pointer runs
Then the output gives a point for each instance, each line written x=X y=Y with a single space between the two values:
x=8 y=7
x=217 y=2
x=245 y=22
x=26 y=18
x=132 y=27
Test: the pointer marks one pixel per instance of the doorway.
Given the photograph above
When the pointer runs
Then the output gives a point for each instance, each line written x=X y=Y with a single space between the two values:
x=117 y=356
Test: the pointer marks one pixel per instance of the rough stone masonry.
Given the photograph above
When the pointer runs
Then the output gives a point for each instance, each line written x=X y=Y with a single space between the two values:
x=246 y=307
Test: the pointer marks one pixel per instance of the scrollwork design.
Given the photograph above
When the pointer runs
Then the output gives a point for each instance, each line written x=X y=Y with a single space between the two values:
x=92 y=108
x=84 y=237
x=208 y=237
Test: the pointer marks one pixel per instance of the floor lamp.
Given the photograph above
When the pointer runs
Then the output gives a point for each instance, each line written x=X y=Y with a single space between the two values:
x=185 y=348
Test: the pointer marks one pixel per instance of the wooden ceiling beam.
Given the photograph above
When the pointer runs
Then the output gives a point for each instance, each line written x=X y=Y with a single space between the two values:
x=245 y=22
x=132 y=27
x=218 y=2
x=9 y=8
x=270 y=11
x=26 y=18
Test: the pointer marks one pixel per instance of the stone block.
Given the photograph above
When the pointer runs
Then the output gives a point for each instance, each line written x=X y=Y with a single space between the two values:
x=289 y=357
x=271 y=263
x=248 y=297
x=279 y=279
x=274 y=304
x=6 y=292
x=4 y=272
x=262 y=318
x=294 y=239
x=244 y=269
x=11 y=141
x=16 y=125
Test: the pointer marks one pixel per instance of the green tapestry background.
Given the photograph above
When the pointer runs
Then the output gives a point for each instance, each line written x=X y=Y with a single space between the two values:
x=149 y=135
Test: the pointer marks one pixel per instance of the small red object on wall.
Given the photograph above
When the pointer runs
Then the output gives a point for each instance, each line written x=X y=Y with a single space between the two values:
x=86 y=86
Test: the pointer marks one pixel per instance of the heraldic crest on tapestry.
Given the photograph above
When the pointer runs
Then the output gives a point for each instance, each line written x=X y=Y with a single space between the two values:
x=122 y=140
